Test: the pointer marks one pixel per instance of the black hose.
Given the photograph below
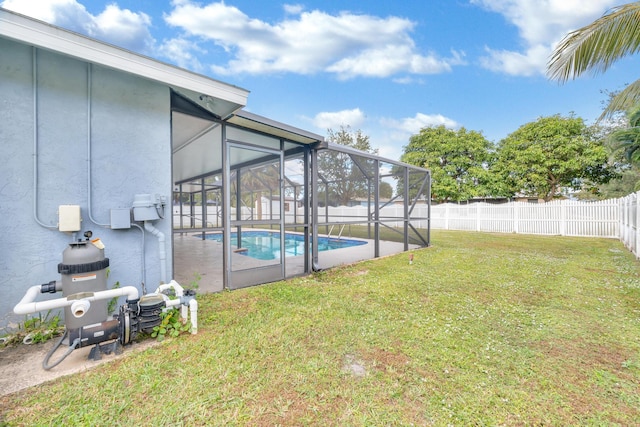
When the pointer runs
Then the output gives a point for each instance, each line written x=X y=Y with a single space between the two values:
x=72 y=347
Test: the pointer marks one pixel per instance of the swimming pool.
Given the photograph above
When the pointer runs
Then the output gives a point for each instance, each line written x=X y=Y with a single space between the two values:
x=265 y=245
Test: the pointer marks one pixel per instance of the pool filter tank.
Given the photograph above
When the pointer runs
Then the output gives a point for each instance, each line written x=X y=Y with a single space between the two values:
x=85 y=300
x=84 y=270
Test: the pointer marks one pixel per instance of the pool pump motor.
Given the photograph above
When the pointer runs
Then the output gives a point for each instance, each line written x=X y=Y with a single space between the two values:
x=85 y=300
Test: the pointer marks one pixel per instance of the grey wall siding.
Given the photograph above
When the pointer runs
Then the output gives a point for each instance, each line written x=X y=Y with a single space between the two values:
x=131 y=154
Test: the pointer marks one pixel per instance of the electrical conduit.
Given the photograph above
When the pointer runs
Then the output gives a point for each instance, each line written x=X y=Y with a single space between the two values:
x=34 y=56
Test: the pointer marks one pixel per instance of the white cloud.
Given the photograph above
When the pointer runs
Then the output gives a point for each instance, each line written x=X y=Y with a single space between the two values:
x=394 y=134
x=334 y=120
x=412 y=125
x=406 y=80
x=125 y=28
x=182 y=53
x=120 y=27
x=293 y=9
x=533 y=61
x=541 y=25
x=387 y=135
x=346 y=44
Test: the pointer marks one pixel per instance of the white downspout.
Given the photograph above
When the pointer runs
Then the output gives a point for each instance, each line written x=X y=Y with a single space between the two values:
x=161 y=249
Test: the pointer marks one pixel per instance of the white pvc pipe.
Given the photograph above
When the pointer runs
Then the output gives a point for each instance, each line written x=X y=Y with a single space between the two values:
x=179 y=291
x=28 y=306
x=171 y=302
x=161 y=249
x=193 y=306
x=193 y=309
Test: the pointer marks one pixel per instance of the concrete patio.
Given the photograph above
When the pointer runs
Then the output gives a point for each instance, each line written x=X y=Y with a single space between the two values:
x=193 y=256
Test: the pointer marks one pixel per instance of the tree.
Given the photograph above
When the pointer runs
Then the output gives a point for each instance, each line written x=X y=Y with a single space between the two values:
x=386 y=190
x=628 y=182
x=345 y=175
x=596 y=47
x=627 y=140
x=627 y=177
x=624 y=145
x=544 y=157
x=458 y=161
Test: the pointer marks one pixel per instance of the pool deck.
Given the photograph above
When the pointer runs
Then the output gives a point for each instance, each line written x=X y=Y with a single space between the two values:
x=193 y=255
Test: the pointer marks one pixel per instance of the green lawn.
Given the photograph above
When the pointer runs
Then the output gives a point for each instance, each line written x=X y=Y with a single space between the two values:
x=481 y=329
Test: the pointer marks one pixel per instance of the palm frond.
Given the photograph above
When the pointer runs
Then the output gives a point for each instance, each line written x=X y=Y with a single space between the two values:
x=596 y=46
x=634 y=116
x=626 y=100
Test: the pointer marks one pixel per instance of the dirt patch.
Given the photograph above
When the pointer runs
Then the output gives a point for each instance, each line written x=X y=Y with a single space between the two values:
x=386 y=360
x=21 y=365
x=579 y=363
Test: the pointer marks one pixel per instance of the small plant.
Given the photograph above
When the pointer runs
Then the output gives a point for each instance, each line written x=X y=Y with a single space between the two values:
x=170 y=326
x=37 y=329
x=111 y=307
x=195 y=283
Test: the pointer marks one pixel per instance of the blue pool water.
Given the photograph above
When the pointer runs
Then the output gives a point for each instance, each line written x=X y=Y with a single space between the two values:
x=266 y=244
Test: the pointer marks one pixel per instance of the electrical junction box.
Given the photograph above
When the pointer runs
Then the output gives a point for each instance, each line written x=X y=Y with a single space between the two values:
x=120 y=218
x=69 y=218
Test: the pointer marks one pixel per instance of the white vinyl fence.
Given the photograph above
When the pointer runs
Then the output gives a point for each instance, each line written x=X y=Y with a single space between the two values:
x=560 y=217
x=613 y=218
x=629 y=231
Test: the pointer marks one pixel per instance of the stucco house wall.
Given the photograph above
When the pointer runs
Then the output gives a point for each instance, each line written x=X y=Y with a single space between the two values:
x=125 y=118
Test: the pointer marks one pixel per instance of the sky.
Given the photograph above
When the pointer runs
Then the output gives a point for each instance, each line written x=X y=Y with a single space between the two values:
x=385 y=68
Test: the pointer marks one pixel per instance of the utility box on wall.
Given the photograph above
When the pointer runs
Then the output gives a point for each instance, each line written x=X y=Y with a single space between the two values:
x=69 y=218
x=120 y=219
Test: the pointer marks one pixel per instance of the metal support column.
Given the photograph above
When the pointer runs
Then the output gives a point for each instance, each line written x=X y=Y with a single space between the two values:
x=376 y=209
x=314 y=210
x=226 y=210
x=406 y=209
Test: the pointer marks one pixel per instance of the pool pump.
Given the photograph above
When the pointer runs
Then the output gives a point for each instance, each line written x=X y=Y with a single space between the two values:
x=85 y=300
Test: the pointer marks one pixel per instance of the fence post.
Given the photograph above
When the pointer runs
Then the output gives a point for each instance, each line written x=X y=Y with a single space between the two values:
x=625 y=222
x=563 y=218
x=446 y=216
x=477 y=216
x=637 y=227
x=515 y=217
x=621 y=219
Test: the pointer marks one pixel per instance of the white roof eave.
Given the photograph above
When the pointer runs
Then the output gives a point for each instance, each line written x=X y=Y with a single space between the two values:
x=42 y=35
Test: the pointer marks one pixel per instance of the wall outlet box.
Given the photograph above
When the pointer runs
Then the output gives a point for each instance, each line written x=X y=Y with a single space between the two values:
x=69 y=218
x=120 y=218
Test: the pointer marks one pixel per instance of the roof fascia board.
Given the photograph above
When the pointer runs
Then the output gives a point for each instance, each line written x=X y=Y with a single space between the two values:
x=251 y=117
x=42 y=35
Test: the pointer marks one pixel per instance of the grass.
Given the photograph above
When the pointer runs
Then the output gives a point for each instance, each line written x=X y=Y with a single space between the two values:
x=481 y=329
